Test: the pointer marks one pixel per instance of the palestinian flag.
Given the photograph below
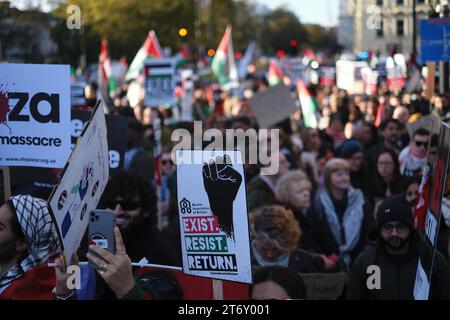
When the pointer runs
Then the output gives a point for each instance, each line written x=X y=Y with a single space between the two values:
x=183 y=56
x=308 y=56
x=150 y=49
x=123 y=67
x=275 y=75
x=105 y=74
x=381 y=115
x=308 y=105
x=223 y=65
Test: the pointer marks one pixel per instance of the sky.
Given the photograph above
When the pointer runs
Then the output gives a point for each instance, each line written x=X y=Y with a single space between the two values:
x=324 y=12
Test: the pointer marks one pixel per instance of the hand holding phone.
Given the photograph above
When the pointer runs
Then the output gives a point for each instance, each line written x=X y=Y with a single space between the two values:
x=101 y=232
x=115 y=267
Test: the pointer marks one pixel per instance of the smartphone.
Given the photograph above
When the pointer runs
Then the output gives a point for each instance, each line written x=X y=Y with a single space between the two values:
x=101 y=232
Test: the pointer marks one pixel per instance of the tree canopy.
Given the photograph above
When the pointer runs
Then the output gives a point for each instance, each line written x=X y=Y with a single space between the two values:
x=125 y=25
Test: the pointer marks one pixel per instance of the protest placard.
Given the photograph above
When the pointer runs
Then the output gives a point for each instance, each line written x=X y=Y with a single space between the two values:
x=159 y=82
x=83 y=180
x=25 y=180
x=370 y=78
x=34 y=115
x=77 y=94
x=273 y=106
x=396 y=79
x=438 y=184
x=327 y=76
x=117 y=140
x=324 y=286
x=348 y=76
x=438 y=176
x=213 y=215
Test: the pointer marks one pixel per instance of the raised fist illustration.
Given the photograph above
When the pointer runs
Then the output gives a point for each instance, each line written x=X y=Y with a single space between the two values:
x=222 y=183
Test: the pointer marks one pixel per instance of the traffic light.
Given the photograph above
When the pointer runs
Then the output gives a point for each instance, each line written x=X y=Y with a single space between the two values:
x=293 y=43
x=182 y=32
x=281 y=53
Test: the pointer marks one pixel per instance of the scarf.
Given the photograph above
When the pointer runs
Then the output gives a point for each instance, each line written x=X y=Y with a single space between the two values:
x=352 y=220
x=281 y=260
x=410 y=164
x=37 y=225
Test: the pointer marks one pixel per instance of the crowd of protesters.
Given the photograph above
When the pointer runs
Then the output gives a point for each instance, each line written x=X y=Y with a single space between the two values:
x=324 y=211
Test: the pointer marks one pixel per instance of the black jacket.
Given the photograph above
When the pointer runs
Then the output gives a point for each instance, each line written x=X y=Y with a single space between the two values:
x=398 y=274
x=376 y=188
x=306 y=239
x=145 y=240
x=323 y=239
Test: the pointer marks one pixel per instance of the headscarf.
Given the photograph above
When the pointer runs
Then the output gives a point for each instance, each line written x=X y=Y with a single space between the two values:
x=38 y=227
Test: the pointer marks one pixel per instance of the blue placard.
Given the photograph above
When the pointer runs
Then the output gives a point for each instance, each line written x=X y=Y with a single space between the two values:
x=435 y=40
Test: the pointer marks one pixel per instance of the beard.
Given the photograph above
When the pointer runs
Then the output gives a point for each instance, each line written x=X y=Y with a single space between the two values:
x=396 y=243
x=7 y=251
x=134 y=225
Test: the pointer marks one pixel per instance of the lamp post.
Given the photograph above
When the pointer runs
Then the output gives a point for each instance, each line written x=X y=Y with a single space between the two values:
x=197 y=24
x=414 y=17
x=443 y=65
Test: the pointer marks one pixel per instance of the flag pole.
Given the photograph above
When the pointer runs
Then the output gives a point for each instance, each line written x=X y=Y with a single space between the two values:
x=6 y=183
x=217 y=289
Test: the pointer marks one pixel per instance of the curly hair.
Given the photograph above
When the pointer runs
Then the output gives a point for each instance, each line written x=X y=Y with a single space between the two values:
x=276 y=225
x=128 y=184
x=283 y=189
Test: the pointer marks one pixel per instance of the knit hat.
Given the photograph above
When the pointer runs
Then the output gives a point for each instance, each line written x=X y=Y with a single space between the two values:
x=395 y=208
x=349 y=148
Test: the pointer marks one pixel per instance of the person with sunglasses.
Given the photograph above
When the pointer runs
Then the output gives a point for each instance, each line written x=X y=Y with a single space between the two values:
x=168 y=169
x=133 y=202
x=413 y=157
x=396 y=252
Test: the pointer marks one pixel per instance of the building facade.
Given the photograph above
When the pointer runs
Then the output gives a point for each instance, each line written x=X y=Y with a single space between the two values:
x=380 y=25
x=346 y=22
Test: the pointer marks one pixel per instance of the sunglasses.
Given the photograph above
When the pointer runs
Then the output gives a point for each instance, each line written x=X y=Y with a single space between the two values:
x=128 y=206
x=421 y=144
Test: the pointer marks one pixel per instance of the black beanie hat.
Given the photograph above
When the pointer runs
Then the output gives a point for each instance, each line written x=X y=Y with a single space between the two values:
x=349 y=148
x=395 y=208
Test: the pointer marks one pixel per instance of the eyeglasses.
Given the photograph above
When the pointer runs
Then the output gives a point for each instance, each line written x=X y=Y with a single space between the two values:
x=356 y=158
x=400 y=227
x=168 y=161
x=421 y=144
x=128 y=206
